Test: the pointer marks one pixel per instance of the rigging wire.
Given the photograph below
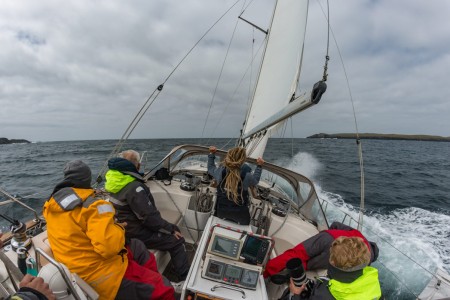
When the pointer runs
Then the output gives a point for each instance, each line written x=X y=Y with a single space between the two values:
x=292 y=139
x=151 y=99
x=233 y=97
x=358 y=140
x=220 y=76
x=361 y=164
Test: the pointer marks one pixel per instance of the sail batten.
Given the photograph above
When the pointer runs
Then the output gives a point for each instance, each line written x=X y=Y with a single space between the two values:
x=280 y=68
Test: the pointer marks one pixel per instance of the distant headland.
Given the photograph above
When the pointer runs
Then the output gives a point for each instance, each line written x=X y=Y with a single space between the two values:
x=4 y=141
x=381 y=136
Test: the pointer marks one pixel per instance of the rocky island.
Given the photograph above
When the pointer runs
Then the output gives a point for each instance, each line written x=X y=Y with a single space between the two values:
x=4 y=141
x=381 y=136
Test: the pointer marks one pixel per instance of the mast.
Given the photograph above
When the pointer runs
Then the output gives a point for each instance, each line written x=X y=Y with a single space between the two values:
x=279 y=72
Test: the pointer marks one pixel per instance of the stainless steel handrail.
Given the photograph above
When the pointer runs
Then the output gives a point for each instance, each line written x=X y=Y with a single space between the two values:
x=60 y=269
x=14 y=199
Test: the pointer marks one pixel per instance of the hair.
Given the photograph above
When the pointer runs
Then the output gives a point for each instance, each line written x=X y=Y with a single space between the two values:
x=132 y=156
x=349 y=252
x=233 y=161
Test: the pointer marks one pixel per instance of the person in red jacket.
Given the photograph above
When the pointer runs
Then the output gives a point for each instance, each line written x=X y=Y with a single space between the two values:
x=315 y=251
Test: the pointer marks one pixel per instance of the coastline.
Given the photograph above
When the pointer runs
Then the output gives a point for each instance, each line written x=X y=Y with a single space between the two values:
x=381 y=136
x=5 y=141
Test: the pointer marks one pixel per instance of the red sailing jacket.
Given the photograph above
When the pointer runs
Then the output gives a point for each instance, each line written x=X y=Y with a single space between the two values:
x=315 y=251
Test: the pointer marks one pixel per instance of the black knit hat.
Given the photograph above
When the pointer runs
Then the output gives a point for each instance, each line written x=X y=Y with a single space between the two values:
x=78 y=173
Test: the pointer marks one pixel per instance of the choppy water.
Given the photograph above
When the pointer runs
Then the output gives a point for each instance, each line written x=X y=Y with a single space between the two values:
x=407 y=189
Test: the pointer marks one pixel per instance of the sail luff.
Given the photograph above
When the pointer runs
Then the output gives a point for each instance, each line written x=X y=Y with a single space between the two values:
x=280 y=68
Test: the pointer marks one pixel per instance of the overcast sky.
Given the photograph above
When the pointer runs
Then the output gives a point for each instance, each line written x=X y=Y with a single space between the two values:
x=79 y=69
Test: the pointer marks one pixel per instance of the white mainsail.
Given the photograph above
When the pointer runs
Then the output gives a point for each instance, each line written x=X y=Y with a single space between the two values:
x=280 y=69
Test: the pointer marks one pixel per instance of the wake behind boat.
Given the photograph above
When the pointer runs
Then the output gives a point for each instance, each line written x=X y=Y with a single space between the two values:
x=285 y=210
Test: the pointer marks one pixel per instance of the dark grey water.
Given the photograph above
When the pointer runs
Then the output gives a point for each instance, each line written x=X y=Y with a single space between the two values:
x=407 y=185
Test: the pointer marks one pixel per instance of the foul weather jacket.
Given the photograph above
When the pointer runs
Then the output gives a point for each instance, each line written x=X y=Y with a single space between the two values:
x=227 y=208
x=366 y=286
x=134 y=204
x=84 y=237
x=315 y=251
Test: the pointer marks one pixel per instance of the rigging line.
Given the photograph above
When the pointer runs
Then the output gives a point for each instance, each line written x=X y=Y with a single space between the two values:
x=125 y=135
x=292 y=139
x=235 y=91
x=159 y=91
x=178 y=208
x=201 y=38
x=245 y=8
x=220 y=76
x=256 y=143
x=358 y=140
x=128 y=132
x=226 y=144
x=327 y=57
x=251 y=70
x=159 y=88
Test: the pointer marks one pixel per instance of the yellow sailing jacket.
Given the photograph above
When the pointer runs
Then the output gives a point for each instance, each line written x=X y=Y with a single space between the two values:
x=366 y=287
x=84 y=237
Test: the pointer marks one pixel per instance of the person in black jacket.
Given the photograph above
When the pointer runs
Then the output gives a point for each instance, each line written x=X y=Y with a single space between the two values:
x=135 y=206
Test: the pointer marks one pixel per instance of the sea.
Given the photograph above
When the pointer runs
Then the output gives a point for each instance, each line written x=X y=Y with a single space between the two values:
x=406 y=190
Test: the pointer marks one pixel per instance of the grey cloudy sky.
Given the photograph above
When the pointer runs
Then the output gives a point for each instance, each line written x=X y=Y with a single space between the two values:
x=81 y=69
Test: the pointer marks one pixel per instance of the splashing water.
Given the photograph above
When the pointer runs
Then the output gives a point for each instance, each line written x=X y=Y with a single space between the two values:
x=405 y=236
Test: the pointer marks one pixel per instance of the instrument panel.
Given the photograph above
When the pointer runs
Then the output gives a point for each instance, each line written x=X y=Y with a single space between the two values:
x=235 y=257
x=231 y=273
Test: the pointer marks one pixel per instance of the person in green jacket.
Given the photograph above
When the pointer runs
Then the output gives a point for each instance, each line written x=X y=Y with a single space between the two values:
x=349 y=276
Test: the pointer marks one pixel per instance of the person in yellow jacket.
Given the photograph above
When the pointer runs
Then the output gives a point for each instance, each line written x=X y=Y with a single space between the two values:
x=349 y=276
x=83 y=235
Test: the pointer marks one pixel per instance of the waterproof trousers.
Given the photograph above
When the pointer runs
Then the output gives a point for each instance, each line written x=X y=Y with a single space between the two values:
x=142 y=279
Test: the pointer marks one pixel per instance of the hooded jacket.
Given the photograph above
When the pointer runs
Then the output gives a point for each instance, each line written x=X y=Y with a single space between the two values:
x=133 y=201
x=357 y=285
x=315 y=251
x=83 y=236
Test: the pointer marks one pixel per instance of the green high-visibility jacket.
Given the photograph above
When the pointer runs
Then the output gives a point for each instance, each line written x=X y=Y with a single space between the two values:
x=366 y=287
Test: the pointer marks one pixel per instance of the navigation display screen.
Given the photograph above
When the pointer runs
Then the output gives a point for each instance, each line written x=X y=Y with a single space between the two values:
x=251 y=246
x=225 y=246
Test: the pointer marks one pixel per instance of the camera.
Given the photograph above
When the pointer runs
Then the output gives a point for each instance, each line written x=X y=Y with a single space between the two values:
x=298 y=275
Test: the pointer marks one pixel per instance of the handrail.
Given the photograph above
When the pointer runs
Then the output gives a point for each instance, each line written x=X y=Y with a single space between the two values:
x=14 y=199
x=60 y=269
